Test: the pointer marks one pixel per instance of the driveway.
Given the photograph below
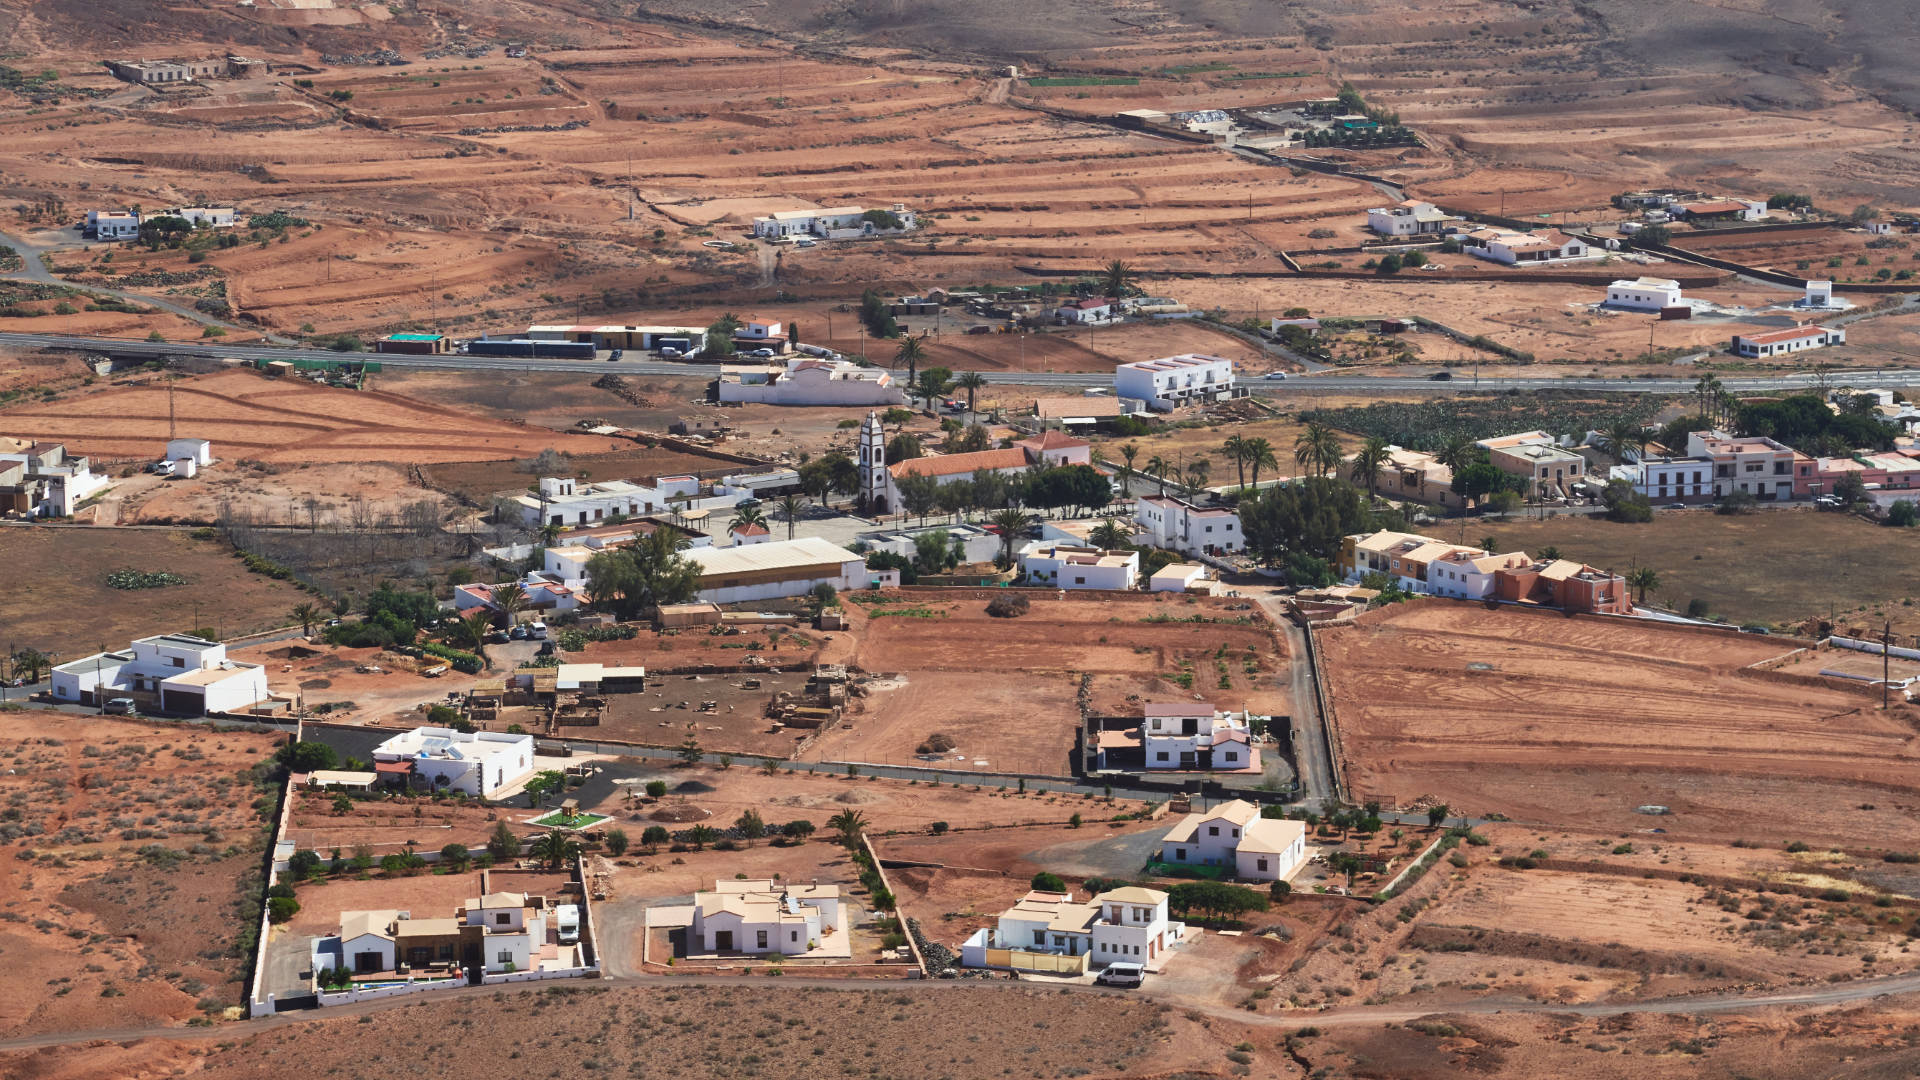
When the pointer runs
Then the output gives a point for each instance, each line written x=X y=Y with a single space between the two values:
x=1121 y=856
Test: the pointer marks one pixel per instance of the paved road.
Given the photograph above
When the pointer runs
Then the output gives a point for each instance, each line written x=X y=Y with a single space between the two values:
x=1840 y=994
x=1312 y=755
x=1400 y=384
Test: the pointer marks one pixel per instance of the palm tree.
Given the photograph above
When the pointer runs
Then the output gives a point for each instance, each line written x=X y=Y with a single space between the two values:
x=1116 y=278
x=1317 y=449
x=969 y=381
x=549 y=533
x=849 y=824
x=1456 y=452
x=1159 y=467
x=1012 y=523
x=472 y=628
x=1490 y=545
x=1372 y=457
x=557 y=849
x=790 y=508
x=1260 y=456
x=1110 y=535
x=1197 y=470
x=744 y=516
x=511 y=599
x=1643 y=578
x=911 y=351
x=1622 y=437
x=1128 y=451
x=1235 y=450
x=306 y=615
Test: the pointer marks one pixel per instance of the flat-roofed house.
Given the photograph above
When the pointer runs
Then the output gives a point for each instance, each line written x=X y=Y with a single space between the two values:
x=765 y=917
x=1055 y=932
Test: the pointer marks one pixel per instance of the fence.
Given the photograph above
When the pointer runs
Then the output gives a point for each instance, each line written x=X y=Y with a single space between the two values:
x=261 y=1004
x=348 y=997
x=1874 y=647
x=913 y=947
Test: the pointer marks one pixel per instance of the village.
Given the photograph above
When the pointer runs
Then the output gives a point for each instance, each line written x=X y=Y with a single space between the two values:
x=1191 y=545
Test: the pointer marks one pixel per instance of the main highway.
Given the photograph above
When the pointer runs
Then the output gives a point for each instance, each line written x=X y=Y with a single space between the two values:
x=1383 y=384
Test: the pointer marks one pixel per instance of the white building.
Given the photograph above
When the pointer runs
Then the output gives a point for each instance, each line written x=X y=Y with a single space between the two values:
x=1687 y=479
x=41 y=480
x=1124 y=925
x=1409 y=218
x=478 y=763
x=1179 y=578
x=563 y=500
x=1791 y=340
x=1082 y=312
x=213 y=217
x=1644 y=294
x=1468 y=573
x=1178 y=525
x=1056 y=449
x=770 y=571
x=1193 y=735
x=1172 y=381
x=765 y=917
x=513 y=929
x=199 y=451
x=1077 y=566
x=1512 y=248
x=831 y=223
x=754 y=328
x=976 y=544
x=171 y=674
x=807 y=381
x=113 y=224
x=1234 y=835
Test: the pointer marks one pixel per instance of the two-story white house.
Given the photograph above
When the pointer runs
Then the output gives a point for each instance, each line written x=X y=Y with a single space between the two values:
x=1124 y=925
x=564 y=500
x=1408 y=218
x=172 y=674
x=1172 y=381
x=513 y=928
x=479 y=763
x=766 y=917
x=1178 y=525
x=1077 y=566
x=1194 y=735
x=1234 y=837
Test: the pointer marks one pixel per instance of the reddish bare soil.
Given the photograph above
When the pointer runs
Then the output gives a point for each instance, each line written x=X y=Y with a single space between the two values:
x=1537 y=716
x=126 y=849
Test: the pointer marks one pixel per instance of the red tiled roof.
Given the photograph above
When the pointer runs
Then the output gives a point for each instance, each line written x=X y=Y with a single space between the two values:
x=750 y=530
x=954 y=464
x=1053 y=440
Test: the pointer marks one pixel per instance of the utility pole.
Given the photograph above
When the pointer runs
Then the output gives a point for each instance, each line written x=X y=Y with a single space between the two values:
x=1886 y=665
x=170 y=431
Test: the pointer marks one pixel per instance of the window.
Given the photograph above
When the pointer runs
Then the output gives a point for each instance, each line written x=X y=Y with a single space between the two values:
x=1161 y=756
x=1039 y=937
x=505 y=956
x=760 y=939
x=1236 y=833
x=1261 y=865
x=1213 y=830
x=1179 y=854
x=177 y=661
x=793 y=935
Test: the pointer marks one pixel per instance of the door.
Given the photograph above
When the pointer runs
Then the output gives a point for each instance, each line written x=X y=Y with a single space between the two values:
x=366 y=962
x=723 y=941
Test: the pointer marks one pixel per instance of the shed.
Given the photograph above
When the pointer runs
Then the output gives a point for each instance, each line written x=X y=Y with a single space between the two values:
x=200 y=450
x=185 y=468
x=677 y=615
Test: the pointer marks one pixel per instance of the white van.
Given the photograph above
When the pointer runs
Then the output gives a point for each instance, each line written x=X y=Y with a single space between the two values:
x=1122 y=975
x=537 y=631
x=567 y=918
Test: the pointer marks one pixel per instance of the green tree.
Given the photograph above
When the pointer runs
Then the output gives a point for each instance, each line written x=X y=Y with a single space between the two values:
x=1159 y=467
x=455 y=855
x=1623 y=437
x=720 y=335
x=617 y=842
x=471 y=631
x=790 y=509
x=702 y=835
x=1235 y=450
x=918 y=494
x=656 y=789
x=1317 y=449
x=848 y=825
x=933 y=384
x=1260 y=456
x=634 y=581
x=1012 y=524
x=1650 y=236
x=797 y=831
x=557 y=848
x=307 y=756
x=909 y=353
x=502 y=844
x=511 y=599
x=751 y=826
x=1128 y=451
x=1388 y=265
x=971 y=382
x=1368 y=461
x=903 y=447
x=1110 y=535
x=1046 y=882
x=306 y=615
x=689 y=751
x=1903 y=514
x=747 y=516
x=1197 y=471
x=1851 y=490
x=1117 y=279
x=1643 y=578
x=653 y=836
x=1436 y=814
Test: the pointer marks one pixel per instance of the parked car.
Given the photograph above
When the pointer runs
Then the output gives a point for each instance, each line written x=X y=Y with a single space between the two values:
x=668 y=352
x=612 y=356
x=805 y=243
x=761 y=352
x=1441 y=376
x=498 y=637
x=980 y=328
x=537 y=631
x=120 y=706
x=519 y=633
x=1676 y=506
x=1127 y=975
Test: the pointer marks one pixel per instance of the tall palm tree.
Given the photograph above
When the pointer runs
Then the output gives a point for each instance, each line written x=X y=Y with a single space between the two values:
x=511 y=599
x=557 y=848
x=1317 y=449
x=1012 y=523
x=1260 y=456
x=1372 y=457
x=1643 y=578
x=911 y=351
x=1197 y=470
x=1623 y=437
x=306 y=615
x=1235 y=450
x=849 y=824
x=790 y=508
x=472 y=629
x=1159 y=466
x=970 y=381
x=1128 y=451
x=1117 y=277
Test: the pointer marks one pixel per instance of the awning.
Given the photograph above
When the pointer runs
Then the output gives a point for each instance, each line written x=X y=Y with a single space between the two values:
x=394 y=767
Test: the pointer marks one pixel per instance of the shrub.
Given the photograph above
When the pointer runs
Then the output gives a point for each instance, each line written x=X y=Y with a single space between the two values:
x=1046 y=882
x=464 y=662
x=1009 y=605
x=282 y=908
